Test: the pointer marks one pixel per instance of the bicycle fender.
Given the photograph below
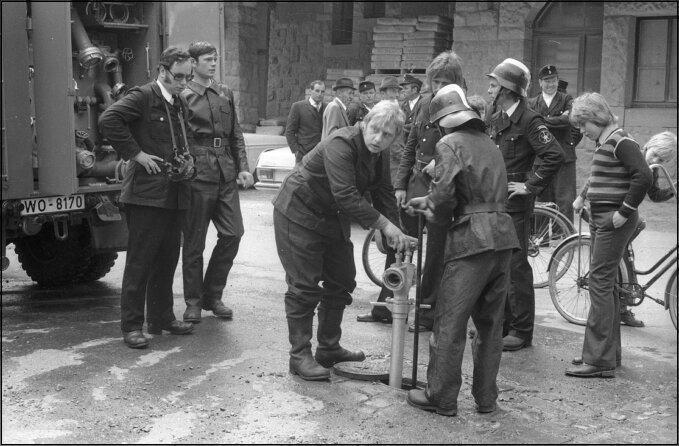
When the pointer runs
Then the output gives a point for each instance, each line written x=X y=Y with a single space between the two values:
x=585 y=236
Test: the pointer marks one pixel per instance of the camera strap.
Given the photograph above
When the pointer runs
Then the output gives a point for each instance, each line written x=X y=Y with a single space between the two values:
x=180 y=114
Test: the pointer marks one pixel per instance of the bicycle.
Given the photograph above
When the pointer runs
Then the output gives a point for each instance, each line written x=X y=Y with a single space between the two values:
x=548 y=227
x=569 y=276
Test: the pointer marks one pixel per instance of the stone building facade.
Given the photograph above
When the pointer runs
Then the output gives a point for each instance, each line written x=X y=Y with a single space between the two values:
x=271 y=50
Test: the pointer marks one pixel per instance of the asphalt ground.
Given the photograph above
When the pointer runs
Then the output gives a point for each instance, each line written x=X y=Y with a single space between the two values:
x=68 y=378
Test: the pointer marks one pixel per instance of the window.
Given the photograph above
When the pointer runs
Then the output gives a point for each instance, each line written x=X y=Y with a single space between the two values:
x=656 y=61
x=569 y=35
x=342 y=22
x=374 y=10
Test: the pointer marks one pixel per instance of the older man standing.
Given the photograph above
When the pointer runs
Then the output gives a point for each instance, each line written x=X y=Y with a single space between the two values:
x=305 y=122
x=335 y=114
x=312 y=222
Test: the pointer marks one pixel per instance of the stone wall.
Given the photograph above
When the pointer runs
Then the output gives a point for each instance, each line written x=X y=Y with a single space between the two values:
x=486 y=33
x=300 y=48
x=617 y=79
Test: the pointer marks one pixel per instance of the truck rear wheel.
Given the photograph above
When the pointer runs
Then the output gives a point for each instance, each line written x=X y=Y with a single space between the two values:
x=52 y=262
x=100 y=265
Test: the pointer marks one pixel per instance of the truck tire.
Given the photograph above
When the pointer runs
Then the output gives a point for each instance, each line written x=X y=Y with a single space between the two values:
x=99 y=266
x=52 y=262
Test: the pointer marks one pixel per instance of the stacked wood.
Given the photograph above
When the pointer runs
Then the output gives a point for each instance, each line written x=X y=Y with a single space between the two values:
x=388 y=36
x=432 y=35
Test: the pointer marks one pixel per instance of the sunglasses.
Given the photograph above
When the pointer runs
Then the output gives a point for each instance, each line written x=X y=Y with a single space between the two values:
x=180 y=77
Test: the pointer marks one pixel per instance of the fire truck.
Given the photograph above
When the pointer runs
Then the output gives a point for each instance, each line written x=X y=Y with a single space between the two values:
x=63 y=64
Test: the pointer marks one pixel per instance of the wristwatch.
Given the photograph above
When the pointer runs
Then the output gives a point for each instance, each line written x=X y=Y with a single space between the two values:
x=525 y=189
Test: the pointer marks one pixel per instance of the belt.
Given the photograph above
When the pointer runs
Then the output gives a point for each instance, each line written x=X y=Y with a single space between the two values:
x=217 y=143
x=478 y=208
x=517 y=176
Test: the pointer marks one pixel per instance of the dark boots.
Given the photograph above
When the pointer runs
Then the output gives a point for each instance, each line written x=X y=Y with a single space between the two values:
x=300 y=328
x=193 y=310
x=329 y=352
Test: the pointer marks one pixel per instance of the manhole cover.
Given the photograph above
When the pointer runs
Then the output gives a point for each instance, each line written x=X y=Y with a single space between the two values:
x=372 y=369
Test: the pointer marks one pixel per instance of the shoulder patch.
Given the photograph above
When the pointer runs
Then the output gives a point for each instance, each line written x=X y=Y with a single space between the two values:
x=545 y=136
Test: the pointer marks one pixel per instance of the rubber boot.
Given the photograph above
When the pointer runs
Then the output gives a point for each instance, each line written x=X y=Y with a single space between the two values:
x=300 y=331
x=193 y=309
x=329 y=352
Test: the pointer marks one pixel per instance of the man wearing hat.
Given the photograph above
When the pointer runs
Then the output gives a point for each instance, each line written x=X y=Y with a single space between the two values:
x=358 y=110
x=390 y=89
x=411 y=103
x=335 y=114
x=555 y=106
x=522 y=136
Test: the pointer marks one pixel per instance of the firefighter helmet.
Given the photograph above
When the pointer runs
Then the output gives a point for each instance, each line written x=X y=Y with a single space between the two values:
x=513 y=75
x=450 y=107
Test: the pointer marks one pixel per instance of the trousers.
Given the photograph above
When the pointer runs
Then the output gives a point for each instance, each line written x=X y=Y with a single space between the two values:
x=473 y=286
x=152 y=257
x=602 y=346
x=520 y=306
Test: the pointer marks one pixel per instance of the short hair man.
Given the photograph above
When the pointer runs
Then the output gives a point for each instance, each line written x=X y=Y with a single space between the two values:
x=411 y=102
x=219 y=149
x=367 y=96
x=555 y=106
x=508 y=83
x=335 y=114
x=470 y=186
x=305 y=121
x=145 y=127
x=313 y=211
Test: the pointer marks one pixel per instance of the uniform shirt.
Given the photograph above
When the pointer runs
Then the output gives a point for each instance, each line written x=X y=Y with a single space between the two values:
x=557 y=121
x=327 y=190
x=420 y=146
x=356 y=112
x=212 y=115
x=521 y=138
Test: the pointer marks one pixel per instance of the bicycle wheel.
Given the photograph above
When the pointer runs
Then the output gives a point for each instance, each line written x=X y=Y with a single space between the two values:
x=569 y=279
x=548 y=228
x=373 y=257
x=671 y=297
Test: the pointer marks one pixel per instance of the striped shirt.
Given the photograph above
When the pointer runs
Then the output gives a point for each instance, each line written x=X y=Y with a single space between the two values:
x=619 y=174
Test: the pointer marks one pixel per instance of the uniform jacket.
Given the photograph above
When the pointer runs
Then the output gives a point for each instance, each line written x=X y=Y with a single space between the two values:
x=420 y=147
x=327 y=190
x=557 y=123
x=304 y=127
x=471 y=185
x=137 y=122
x=522 y=138
x=356 y=112
x=411 y=115
x=334 y=117
x=212 y=115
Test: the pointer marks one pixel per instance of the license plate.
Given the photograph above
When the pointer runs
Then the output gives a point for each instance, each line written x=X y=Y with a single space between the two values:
x=47 y=205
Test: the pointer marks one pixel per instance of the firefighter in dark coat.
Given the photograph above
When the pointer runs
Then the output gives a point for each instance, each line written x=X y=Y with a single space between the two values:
x=468 y=195
x=521 y=135
x=312 y=222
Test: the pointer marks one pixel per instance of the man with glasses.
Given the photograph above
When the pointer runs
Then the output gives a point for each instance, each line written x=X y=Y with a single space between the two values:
x=147 y=127
x=219 y=149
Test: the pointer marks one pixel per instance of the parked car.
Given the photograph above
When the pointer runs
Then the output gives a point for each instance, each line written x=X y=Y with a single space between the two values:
x=273 y=166
x=256 y=143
